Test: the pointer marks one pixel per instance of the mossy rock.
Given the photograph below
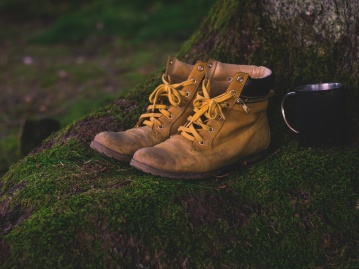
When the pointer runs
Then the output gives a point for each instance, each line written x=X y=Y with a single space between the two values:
x=65 y=206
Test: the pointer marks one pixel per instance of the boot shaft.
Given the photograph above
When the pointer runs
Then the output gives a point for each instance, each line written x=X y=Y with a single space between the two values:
x=178 y=113
x=177 y=70
x=236 y=97
x=239 y=114
x=220 y=75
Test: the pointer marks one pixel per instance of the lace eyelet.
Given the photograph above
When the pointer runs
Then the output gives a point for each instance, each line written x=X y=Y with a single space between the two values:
x=188 y=94
x=194 y=80
x=160 y=127
x=171 y=62
x=179 y=106
x=229 y=79
x=240 y=79
x=170 y=117
x=233 y=92
x=201 y=143
x=211 y=129
x=200 y=68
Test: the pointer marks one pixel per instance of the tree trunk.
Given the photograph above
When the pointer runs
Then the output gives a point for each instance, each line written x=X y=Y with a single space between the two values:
x=260 y=31
x=303 y=42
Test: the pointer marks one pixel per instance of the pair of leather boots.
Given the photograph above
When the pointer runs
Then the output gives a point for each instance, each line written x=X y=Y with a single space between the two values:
x=204 y=120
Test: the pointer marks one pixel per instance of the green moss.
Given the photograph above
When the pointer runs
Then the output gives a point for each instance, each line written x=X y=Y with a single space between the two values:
x=89 y=211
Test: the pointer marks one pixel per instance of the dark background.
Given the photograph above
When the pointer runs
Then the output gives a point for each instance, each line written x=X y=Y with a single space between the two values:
x=63 y=59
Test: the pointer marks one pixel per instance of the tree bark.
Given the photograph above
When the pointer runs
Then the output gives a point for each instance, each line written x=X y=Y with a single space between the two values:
x=303 y=42
x=238 y=30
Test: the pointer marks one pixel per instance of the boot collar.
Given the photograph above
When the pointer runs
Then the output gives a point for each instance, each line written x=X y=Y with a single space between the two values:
x=259 y=82
x=258 y=87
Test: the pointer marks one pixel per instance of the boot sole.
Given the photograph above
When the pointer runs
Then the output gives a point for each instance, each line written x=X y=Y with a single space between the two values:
x=110 y=153
x=200 y=175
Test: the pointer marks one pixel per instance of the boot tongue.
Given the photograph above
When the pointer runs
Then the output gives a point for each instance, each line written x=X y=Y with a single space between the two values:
x=218 y=77
x=207 y=108
x=178 y=70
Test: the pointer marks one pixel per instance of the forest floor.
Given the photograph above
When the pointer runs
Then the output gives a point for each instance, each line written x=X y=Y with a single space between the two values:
x=66 y=80
x=64 y=61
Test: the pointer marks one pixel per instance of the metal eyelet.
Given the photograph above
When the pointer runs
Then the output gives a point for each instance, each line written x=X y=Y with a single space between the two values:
x=170 y=117
x=171 y=62
x=201 y=143
x=233 y=92
x=229 y=79
x=179 y=106
x=194 y=80
x=211 y=129
x=240 y=79
x=160 y=127
x=210 y=65
x=200 y=68
x=188 y=94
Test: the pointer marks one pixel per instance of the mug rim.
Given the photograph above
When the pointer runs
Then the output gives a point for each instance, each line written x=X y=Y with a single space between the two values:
x=320 y=86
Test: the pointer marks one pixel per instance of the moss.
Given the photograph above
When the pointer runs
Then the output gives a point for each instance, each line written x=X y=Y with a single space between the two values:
x=295 y=209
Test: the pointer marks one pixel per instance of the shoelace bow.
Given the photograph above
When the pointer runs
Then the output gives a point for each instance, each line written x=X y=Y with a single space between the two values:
x=206 y=108
x=171 y=92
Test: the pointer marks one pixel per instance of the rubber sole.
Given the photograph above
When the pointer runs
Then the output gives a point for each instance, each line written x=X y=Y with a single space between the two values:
x=200 y=175
x=110 y=153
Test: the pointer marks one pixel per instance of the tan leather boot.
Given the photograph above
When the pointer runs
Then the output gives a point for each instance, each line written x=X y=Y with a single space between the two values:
x=224 y=132
x=171 y=104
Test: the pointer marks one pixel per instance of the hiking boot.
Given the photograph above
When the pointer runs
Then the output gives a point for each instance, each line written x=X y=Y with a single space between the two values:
x=171 y=104
x=224 y=131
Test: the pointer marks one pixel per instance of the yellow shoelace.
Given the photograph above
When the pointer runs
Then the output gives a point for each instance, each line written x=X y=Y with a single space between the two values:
x=164 y=92
x=205 y=108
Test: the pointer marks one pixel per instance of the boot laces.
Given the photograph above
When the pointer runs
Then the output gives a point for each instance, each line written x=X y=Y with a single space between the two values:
x=164 y=95
x=205 y=108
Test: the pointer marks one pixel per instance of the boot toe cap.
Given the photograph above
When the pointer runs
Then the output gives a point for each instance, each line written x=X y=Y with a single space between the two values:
x=110 y=140
x=154 y=157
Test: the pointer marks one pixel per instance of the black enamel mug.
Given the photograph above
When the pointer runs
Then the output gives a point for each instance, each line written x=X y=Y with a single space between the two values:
x=320 y=110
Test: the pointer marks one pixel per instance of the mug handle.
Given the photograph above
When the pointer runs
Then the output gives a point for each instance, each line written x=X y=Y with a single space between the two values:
x=283 y=114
